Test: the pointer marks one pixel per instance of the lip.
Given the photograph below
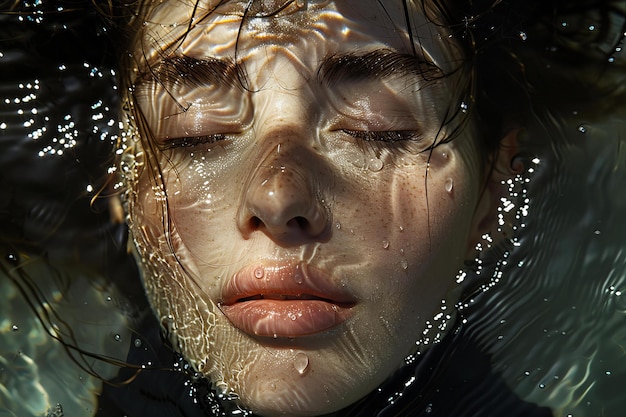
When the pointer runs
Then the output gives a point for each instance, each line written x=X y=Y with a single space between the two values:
x=284 y=300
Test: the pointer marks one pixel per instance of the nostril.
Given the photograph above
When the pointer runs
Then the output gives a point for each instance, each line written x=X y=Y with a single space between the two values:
x=255 y=223
x=300 y=222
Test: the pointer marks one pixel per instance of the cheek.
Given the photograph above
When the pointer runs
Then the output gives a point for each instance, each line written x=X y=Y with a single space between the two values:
x=411 y=225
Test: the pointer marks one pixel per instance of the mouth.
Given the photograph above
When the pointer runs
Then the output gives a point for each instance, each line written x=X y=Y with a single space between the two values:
x=284 y=300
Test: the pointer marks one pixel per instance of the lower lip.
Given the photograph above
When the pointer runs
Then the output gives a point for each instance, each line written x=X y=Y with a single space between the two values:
x=285 y=318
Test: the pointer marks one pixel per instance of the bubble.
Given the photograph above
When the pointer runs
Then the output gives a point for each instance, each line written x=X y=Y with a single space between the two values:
x=449 y=185
x=338 y=226
x=385 y=244
x=137 y=343
x=582 y=129
x=404 y=264
x=117 y=337
x=55 y=411
x=12 y=258
x=259 y=273
x=523 y=36
x=375 y=164
x=15 y=328
x=301 y=362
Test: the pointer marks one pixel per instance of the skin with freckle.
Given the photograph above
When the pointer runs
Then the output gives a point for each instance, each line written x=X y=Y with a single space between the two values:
x=246 y=175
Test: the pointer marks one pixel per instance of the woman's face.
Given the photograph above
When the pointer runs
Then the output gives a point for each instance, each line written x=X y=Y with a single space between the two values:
x=309 y=233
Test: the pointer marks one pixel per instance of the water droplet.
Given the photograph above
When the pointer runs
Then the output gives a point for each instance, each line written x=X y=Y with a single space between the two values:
x=12 y=258
x=464 y=107
x=259 y=273
x=444 y=155
x=542 y=386
x=385 y=244
x=582 y=129
x=375 y=164
x=449 y=185
x=338 y=226
x=117 y=337
x=404 y=264
x=300 y=272
x=15 y=328
x=301 y=362
x=523 y=36
x=359 y=162
x=137 y=343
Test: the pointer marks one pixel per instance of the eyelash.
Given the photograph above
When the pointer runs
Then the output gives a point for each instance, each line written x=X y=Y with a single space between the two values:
x=374 y=141
x=387 y=136
x=191 y=141
x=385 y=140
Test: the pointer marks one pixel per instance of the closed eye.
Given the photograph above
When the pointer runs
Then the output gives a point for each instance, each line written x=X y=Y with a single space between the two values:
x=191 y=141
x=387 y=142
x=389 y=136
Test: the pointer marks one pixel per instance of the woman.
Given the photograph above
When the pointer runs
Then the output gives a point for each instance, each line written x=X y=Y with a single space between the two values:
x=304 y=183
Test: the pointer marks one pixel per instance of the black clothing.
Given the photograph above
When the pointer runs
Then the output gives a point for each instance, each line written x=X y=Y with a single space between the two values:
x=452 y=379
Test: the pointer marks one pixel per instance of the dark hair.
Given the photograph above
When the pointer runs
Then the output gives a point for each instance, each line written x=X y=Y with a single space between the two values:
x=516 y=67
x=520 y=58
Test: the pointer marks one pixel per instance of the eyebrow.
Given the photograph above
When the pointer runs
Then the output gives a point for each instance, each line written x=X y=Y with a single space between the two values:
x=334 y=70
x=375 y=65
x=195 y=72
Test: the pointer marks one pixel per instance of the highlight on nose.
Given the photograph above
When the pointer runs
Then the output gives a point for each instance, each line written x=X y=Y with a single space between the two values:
x=281 y=203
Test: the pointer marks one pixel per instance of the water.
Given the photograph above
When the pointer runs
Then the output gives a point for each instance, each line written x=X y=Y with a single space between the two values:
x=552 y=323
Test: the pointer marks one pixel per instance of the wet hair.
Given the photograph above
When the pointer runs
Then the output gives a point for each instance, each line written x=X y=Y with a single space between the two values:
x=519 y=60
x=515 y=68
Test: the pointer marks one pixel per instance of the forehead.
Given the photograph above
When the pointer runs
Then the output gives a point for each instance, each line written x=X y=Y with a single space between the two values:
x=315 y=29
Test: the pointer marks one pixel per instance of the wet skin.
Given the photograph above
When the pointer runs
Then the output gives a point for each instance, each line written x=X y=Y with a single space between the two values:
x=309 y=232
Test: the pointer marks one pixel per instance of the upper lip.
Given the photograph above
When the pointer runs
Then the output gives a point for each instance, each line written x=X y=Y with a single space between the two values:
x=280 y=281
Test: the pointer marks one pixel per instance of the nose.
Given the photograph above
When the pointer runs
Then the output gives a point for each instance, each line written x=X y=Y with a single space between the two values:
x=282 y=199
